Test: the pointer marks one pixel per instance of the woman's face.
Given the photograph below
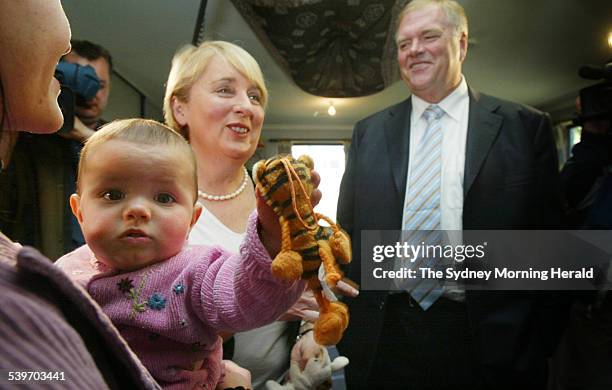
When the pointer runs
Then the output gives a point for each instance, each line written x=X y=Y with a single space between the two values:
x=34 y=34
x=224 y=112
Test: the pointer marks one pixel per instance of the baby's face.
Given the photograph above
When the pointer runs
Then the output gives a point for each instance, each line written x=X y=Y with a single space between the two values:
x=136 y=203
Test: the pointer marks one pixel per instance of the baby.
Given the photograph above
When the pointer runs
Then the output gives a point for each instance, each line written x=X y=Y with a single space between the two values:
x=136 y=202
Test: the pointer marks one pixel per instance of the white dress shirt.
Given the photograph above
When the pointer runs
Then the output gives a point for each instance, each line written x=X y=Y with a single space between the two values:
x=454 y=127
x=454 y=124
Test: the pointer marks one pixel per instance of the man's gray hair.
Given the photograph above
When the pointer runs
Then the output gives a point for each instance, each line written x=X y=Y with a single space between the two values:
x=455 y=14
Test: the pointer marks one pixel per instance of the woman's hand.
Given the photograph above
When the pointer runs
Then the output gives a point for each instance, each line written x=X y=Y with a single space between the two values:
x=306 y=308
x=346 y=289
x=316 y=195
x=305 y=348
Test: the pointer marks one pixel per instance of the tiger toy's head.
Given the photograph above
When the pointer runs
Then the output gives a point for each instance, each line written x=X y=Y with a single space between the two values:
x=285 y=183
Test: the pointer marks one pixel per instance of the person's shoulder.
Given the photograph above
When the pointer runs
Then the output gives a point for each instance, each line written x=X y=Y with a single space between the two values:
x=383 y=114
x=83 y=253
x=504 y=106
x=78 y=258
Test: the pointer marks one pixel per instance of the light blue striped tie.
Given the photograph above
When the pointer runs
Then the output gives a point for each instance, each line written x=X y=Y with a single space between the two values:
x=421 y=219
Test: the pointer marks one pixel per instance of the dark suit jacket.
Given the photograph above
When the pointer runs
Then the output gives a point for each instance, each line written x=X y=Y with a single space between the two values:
x=510 y=182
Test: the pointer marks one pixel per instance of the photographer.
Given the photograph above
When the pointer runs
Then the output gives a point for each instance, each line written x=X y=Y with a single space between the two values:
x=586 y=178
x=41 y=175
x=583 y=359
x=88 y=113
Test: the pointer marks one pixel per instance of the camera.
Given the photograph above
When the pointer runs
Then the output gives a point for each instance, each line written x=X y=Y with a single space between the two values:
x=78 y=85
x=596 y=100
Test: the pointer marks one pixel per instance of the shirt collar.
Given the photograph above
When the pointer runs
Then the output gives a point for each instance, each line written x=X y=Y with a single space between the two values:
x=452 y=104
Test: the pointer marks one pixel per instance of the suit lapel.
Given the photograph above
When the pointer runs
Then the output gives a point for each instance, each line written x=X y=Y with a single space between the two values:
x=397 y=134
x=483 y=128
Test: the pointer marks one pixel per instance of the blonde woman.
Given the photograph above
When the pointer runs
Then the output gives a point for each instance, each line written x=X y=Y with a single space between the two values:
x=216 y=97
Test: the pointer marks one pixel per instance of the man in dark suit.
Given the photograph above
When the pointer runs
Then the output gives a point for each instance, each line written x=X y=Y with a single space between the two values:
x=497 y=170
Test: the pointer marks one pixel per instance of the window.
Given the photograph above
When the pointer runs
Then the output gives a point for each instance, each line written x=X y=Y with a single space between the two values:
x=574 y=136
x=329 y=163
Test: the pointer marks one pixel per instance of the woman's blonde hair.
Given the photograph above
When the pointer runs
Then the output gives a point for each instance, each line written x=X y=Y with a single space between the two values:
x=140 y=132
x=190 y=62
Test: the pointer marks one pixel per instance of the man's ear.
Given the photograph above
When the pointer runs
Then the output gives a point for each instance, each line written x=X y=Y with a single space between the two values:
x=463 y=46
x=75 y=202
x=179 y=110
x=197 y=211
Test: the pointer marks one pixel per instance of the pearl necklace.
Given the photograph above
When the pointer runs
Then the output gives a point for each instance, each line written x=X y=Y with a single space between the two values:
x=229 y=196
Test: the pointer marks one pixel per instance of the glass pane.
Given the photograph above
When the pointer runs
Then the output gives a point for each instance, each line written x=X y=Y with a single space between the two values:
x=574 y=136
x=329 y=163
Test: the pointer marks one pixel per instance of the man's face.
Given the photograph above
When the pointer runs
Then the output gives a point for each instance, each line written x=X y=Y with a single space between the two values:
x=94 y=108
x=430 y=53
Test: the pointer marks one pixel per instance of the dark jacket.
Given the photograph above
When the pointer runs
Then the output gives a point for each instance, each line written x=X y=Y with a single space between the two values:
x=510 y=182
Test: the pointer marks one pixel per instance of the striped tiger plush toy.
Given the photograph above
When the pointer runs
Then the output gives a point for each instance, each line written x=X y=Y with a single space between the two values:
x=286 y=185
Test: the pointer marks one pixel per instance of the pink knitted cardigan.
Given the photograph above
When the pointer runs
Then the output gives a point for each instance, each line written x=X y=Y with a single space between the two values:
x=170 y=313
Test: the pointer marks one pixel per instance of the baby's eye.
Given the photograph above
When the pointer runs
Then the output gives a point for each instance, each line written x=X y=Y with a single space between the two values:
x=164 y=198
x=113 y=195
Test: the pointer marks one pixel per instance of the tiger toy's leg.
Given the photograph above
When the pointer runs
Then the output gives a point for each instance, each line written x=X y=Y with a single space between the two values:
x=333 y=320
x=340 y=245
x=288 y=263
x=332 y=272
x=339 y=242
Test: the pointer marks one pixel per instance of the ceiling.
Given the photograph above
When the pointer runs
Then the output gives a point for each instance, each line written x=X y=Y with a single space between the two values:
x=523 y=50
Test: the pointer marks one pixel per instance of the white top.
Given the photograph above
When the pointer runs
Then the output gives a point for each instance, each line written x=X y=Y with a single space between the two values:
x=454 y=123
x=210 y=231
x=263 y=351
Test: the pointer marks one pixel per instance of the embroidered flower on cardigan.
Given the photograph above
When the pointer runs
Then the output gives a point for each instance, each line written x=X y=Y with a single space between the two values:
x=133 y=294
x=178 y=289
x=125 y=285
x=139 y=307
x=157 y=302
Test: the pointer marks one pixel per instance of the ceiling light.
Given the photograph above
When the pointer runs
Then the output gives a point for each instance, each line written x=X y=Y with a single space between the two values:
x=610 y=39
x=331 y=110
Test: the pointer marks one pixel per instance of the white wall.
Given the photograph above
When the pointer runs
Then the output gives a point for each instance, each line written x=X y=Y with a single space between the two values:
x=124 y=102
